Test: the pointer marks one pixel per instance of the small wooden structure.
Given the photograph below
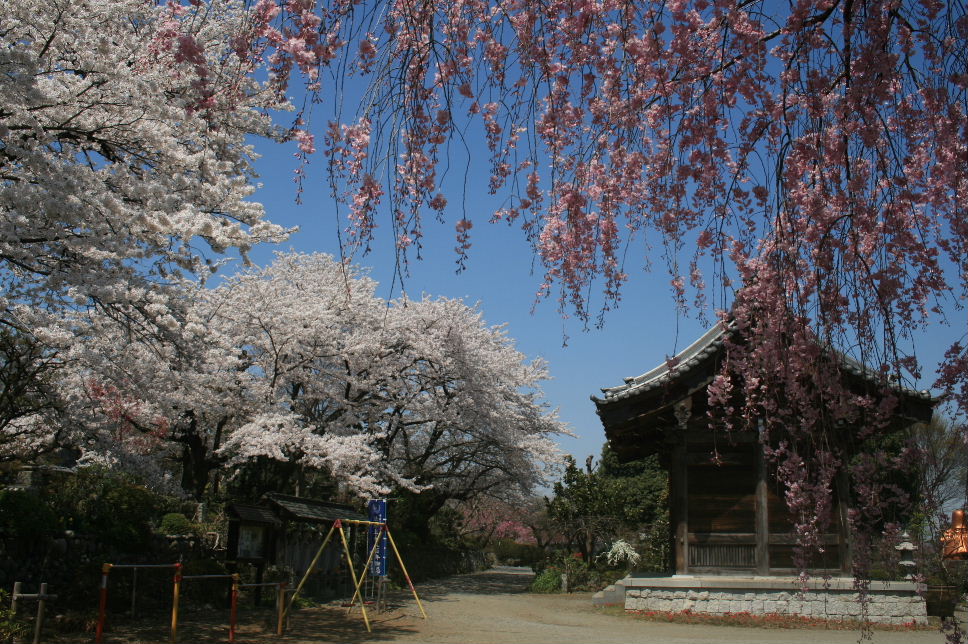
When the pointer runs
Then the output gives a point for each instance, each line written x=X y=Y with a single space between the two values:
x=727 y=518
x=304 y=521
x=252 y=533
x=286 y=531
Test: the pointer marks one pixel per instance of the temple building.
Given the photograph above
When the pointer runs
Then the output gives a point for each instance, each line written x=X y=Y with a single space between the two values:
x=729 y=523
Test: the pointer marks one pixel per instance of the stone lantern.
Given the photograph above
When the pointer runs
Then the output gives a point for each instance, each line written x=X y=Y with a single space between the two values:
x=906 y=550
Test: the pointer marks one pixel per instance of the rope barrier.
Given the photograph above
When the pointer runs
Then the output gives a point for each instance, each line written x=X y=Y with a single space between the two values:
x=177 y=581
x=283 y=607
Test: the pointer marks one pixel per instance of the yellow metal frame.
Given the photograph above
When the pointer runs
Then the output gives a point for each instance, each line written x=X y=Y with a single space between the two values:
x=358 y=581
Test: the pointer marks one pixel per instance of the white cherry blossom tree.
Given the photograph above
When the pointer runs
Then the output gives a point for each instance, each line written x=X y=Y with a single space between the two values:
x=124 y=157
x=299 y=362
x=421 y=395
x=465 y=416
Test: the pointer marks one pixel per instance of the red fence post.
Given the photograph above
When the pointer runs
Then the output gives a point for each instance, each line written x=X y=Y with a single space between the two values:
x=233 y=613
x=173 y=637
x=281 y=607
x=102 y=604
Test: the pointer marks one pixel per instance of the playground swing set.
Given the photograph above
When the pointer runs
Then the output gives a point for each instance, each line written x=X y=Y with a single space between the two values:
x=379 y=531
x=383 y=532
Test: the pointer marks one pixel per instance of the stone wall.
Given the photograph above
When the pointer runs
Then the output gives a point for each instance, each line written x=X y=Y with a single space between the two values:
x=894 y=603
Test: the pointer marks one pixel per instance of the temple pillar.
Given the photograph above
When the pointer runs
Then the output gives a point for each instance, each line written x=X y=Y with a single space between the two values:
x=680 y=488
x=762 y=515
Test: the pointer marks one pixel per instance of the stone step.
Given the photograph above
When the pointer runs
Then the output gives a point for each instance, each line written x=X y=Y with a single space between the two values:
x=613 y=595
x=961 y=616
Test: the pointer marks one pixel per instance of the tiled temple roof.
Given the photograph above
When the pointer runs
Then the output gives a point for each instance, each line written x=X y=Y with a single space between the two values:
x=705 y=349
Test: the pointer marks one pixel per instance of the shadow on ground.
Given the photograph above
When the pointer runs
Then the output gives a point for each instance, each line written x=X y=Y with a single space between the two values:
x=500 y=580
x=329 y=623
x=336 y=624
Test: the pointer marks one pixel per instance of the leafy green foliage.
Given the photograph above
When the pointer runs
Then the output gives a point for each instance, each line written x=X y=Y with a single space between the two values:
x=110 y=506
x=11 y=628
x=548 y=581
x=583 y=576
x=595 y=504
x=654 y=545
x=642 y=486
x=25 y=518
x=176 y=523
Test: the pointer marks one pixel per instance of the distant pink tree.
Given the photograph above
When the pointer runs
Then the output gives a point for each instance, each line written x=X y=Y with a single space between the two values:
x=515 y=531
x=522 y=520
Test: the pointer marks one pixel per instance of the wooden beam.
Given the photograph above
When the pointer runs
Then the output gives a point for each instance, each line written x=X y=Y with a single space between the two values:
x=845 y=551
x=762 y=516
x=713 y=538
x=702 y=435
x=680 y=505
x=749 y=538
x=725 y=458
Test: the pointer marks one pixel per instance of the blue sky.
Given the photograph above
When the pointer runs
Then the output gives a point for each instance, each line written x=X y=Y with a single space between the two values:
x=502 y=278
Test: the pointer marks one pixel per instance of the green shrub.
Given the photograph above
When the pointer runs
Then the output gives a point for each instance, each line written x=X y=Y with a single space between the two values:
x=582 y=576
x=579 y=573
x=176 y=523
x=516 y=554
x=26 y=518
x=110 y=506
x=11 y=628
x=549 y=581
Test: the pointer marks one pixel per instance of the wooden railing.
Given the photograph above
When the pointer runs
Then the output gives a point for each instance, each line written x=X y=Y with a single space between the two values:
x=724 y=555
x=734 y=550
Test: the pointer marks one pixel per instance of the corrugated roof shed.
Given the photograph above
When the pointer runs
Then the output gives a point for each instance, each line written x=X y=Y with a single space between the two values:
x=302 y=509
x=252 y=513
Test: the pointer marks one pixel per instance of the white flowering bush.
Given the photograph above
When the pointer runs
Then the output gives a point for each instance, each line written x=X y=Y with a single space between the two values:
x=621 y=551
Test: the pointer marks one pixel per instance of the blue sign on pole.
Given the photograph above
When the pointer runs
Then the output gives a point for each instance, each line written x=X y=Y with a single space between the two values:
x=377 y=510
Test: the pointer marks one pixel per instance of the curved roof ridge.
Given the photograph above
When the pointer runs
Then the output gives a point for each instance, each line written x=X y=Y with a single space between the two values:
x=689 y=357
x=704 y=347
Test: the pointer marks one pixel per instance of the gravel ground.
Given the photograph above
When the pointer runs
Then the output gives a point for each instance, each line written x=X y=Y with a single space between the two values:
x=490 y=607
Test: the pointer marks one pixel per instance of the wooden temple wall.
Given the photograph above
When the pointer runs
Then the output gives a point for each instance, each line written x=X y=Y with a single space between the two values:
x=731 y=516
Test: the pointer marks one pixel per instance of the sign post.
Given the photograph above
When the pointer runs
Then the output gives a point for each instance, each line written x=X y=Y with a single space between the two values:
x=377 y=511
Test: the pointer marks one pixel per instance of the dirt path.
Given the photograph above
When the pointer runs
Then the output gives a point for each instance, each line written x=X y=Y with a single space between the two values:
x=491 y=607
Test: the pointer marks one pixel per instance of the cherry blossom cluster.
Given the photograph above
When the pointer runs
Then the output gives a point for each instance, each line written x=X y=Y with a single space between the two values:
x=810 y=156
x=124 y=156
x=300 y=362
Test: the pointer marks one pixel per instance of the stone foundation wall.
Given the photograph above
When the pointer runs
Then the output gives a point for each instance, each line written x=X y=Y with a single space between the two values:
x=894 y=606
